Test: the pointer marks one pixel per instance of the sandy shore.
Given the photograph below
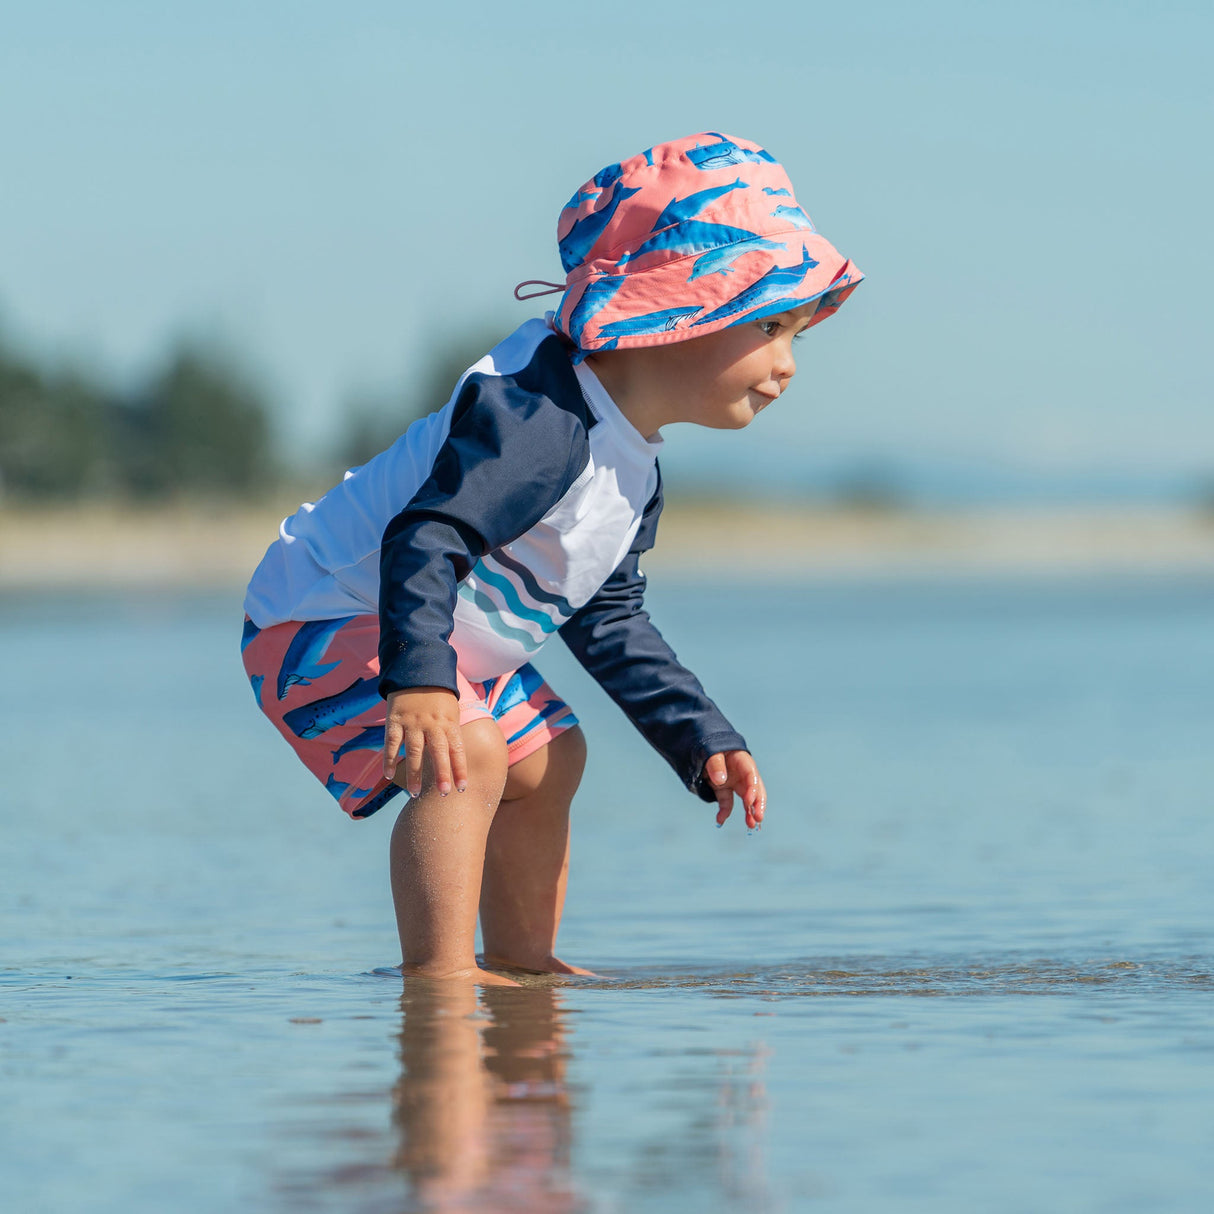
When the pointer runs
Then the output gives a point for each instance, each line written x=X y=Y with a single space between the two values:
x=111 y=548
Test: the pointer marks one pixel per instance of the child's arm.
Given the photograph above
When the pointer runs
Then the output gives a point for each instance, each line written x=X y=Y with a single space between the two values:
x=508 y=458
x=614 y=639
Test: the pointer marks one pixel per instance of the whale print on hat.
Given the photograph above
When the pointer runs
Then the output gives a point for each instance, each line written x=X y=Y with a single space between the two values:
x=686 y=239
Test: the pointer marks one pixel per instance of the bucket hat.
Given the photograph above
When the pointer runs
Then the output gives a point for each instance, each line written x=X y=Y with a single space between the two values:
x=688 y=238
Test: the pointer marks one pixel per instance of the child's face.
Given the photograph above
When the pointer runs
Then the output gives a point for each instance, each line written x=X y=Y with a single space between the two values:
x=726 y=379
x=722 y=381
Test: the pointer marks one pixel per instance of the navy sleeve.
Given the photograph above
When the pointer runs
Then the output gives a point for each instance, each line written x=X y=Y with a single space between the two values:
x=614 y=639
x=511 y=454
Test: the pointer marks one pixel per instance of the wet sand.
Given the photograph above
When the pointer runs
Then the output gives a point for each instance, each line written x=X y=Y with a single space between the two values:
x=217 y=547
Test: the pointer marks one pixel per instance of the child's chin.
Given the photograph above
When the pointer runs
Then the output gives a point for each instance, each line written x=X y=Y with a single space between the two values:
x=729 y=423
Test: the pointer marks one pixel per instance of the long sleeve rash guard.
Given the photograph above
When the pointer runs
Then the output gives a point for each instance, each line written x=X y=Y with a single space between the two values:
x=518 y=510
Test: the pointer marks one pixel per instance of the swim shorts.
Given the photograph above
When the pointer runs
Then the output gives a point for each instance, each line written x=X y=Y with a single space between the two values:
x=318 y=681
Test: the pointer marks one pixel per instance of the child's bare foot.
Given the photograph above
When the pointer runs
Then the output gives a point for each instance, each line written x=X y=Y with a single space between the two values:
x=546 y=965
x=482 y=977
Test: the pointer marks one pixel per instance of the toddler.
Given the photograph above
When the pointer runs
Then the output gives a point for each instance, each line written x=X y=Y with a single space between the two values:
x=391 y=627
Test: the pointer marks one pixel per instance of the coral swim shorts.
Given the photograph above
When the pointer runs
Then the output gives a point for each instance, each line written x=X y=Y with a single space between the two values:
x=318 y=682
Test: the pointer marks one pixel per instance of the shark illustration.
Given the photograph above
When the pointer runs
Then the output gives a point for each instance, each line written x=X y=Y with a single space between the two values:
x=371 y=738
x=690 y=237
x=651 y=322
x=302 y=664
x=768 y=190
x=310 y=720
x=721 y=155
x=250 y=631
x=256 y=680
x=774 y=285
x=594 y=298
x=580 y=238
x=681 y=209
x=793 y=215
x=720 y=261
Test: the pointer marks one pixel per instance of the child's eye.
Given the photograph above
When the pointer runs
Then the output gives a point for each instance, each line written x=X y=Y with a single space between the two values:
x=770 y=327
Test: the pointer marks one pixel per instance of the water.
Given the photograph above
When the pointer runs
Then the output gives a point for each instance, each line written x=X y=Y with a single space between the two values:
x=966 y=964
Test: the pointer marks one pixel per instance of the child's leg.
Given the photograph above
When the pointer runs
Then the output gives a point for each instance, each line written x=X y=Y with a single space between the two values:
x=438 y=854
x=527 y=858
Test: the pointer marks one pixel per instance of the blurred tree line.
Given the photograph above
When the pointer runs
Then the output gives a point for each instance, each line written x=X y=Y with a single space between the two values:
x=198 y=427
x=195 y=426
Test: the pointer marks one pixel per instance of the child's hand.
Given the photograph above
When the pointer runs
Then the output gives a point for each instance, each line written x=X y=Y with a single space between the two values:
x=734 y=771
x=425 y=720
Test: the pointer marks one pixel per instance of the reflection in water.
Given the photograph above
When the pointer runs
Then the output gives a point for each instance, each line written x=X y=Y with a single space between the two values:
x=481 y=1107
x=478 y=1116
x=742 y=1130
x=482 y=1119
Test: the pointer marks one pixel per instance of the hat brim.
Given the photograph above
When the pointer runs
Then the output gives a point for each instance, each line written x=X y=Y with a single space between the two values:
x=681 y=299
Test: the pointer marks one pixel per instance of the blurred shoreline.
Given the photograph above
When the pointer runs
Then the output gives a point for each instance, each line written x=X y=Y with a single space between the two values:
x=197 y=547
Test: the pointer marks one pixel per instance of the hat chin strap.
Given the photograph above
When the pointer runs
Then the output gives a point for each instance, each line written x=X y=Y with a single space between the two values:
x=550 y=288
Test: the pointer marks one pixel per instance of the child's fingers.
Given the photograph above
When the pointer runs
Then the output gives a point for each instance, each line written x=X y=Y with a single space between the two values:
x=440 y=759
x=415 y=745
x=759 y=811
x=393 y=736
x=748 y=803
x=459 y=760
x=718 y=776
x=754 y=799
x=725 y=804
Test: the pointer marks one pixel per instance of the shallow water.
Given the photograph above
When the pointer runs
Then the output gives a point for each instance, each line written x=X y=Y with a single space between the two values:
x=966 y=964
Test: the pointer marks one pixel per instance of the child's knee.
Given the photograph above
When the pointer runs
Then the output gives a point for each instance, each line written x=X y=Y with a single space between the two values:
x=485 y=754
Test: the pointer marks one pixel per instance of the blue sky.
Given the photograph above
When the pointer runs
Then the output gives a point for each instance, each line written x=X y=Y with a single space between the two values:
x=332 y=189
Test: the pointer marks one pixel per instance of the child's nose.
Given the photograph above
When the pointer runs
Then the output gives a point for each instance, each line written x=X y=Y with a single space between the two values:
x=786 y=365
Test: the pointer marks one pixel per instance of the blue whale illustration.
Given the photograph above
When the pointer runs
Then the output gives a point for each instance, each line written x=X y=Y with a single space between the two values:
x=774 y=285
x=608 y=176
x=768 y=190
x=301 y=663
x=690 y=237
x=581 y=237
x=549 y=710
x=579 y=198
x=681 y=209
x=309 y=720
x=526 y=681
x=339 y=789
x=594 y=298
x=793 y=215
x=367 y=808
x=371 y=738
x=721 y=155
x=651 y=322
x=719 y=261
x=250 y=631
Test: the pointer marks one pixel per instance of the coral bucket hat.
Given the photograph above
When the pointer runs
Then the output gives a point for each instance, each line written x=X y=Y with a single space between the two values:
x=686 y=239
